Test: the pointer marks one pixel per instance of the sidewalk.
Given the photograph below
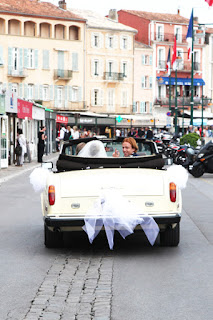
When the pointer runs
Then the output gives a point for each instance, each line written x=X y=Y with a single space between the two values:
x=13 y=171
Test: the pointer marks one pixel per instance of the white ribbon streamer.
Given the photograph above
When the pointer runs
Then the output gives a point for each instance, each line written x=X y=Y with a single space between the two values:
x=115 y=212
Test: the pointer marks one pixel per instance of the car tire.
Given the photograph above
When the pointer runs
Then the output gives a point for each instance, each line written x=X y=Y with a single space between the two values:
x=198 y=171
x=170 y=237
x=52 y=239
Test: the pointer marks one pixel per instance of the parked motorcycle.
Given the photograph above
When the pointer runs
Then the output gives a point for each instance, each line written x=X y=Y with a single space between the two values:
x=185 y=156
x=204 y=161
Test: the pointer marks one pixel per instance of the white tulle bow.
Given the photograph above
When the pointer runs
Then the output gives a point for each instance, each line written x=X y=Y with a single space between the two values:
x=115 y=212
x=38 y=179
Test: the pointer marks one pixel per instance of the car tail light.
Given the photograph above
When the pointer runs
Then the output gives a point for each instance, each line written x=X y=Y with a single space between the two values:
x=172 y=191
x=51 y=194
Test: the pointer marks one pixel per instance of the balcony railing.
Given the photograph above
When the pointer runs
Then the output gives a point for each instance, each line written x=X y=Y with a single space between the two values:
x=113 y=76
x=181 y=65
x=62 y=74
x=20 y=73
x=168 y=37
x=183 y=101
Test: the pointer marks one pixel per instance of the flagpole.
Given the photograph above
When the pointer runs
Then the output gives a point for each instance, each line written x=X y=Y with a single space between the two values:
x=176 y=100
x=170 y=104
x=192 y=70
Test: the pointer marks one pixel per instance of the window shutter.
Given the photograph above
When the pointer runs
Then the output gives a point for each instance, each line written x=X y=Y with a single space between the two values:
x=134 y=106
x=115 y=42
x=70 y=93
x=1 y=56
x=141 y=107
x=20 y=60
x=36 y=58
x=25 y=58
x=20 y=94
x=25 y=91
x=92 y=67
x=150 y=59
x=10 y=60
x=92 y=97
x=143 y=82
x=56 y=96
x=45 y=59
x=41 y=92
x=92 y=40
x=101 y=42
x=66 y=95
x=150 y=107
x=150 y=82
x=10 y=88
x=101 y=97
x=79 y=94
x=51 y=92
x=107 y=41
x=36 y=92
x=129 y=45
x=75 y=61
x=143 y=59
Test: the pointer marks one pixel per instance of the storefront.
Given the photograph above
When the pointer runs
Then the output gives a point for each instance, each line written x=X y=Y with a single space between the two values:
x=50 y=123
x=38 y=119
x=3 y=134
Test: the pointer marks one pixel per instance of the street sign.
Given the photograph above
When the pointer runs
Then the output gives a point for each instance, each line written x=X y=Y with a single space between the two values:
x=168 y=114
x=119 y=119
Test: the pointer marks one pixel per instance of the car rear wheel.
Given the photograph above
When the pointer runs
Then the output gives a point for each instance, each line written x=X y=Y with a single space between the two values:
x=170 y=237
x=52 y=239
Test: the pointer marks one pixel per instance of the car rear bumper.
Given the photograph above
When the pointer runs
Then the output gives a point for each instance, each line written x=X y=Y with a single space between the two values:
x=58 y=222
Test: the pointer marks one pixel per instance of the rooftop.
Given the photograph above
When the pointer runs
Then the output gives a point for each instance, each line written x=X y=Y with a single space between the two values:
x=36 y=8
x=154 y=16
x=96 y=20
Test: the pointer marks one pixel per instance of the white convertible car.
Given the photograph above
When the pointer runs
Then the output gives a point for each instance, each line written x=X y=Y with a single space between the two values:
x=73 y=188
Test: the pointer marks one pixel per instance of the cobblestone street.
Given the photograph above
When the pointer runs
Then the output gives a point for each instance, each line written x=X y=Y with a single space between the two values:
x=75 y=289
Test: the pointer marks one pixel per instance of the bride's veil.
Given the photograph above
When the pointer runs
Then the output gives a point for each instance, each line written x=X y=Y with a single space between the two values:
x=94 y=149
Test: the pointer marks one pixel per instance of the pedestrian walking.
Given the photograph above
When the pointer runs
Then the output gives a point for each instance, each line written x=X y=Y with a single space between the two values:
x=41 y=143
x=21 y=145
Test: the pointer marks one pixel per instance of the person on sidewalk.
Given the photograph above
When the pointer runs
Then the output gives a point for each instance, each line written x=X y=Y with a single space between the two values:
x=41 y=140
x=22 y=142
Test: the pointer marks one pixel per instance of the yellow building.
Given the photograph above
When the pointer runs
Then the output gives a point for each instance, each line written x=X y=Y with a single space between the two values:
x=109 y=73
x=41 y=53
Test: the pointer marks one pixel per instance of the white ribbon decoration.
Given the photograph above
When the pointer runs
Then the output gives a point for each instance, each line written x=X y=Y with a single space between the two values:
x=115 y=212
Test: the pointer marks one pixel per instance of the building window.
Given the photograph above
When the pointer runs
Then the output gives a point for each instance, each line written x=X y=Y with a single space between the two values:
x=15 y=88
x=59 y=95
x=124 y=69
x=96 y=67
x=110 y=41
x=161 y=58
x=95 y=97
x=31 y=59
x=146 y=82
x=110 y=68
x=124 y=99
x=150 y=82
x=178 y=34
x=15 y=57
x=45 y=92
x=74 y=94
x=124 y=43
x=160 y=33
x=30 y=91
x=146 y=59
x=96 y=41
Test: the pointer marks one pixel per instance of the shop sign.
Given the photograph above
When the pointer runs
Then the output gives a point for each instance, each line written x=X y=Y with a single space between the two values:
x=38 y=113
x=61 y=119
x=2 y=104
x=24 y=109
x=87 y=120
x=11 y=102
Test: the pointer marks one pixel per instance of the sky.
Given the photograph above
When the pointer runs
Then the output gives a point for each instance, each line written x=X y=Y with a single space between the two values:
x=201 y=8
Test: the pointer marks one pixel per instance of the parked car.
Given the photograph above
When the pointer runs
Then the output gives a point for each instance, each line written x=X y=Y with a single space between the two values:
x=76 y=184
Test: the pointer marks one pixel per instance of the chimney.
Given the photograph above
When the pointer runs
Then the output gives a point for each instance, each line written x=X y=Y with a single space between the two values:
x=195 y=19
x=178 y=11
x=113 y=15
x=62 y=4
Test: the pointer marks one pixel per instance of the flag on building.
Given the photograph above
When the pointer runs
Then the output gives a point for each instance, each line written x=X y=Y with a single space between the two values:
x=189 y=36
x=168 y=64
x=174 y=55
x=210 y=2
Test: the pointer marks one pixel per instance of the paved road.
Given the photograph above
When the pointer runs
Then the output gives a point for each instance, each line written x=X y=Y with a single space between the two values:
x=82 y=281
